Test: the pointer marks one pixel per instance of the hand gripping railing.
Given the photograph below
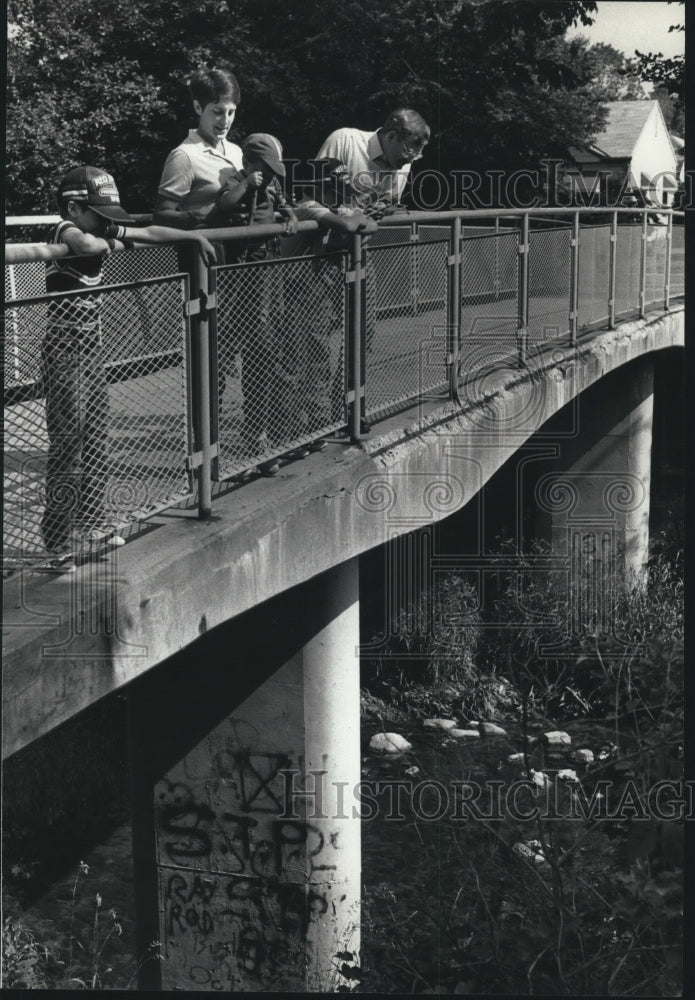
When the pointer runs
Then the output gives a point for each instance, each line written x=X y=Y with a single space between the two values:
x=215 y=371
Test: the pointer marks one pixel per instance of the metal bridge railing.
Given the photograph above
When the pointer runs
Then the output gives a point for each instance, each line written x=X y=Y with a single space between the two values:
x=279 y=338
x=208 y=373
x=118 y=419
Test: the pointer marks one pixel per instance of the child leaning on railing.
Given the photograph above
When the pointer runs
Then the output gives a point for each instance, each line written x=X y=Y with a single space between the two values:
x=72 y=362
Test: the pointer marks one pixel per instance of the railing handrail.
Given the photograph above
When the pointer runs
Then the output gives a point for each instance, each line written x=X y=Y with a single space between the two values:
x=53 y=220
x=16 y=253
x=419 y=214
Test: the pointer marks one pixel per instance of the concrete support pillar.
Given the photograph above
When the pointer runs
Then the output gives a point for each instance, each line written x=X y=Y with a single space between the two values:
x=332 y=753
x=596 y=498
x=638 y=444
x=246 y=753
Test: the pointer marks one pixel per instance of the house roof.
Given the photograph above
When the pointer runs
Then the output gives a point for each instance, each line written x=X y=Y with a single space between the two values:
x=625 y=122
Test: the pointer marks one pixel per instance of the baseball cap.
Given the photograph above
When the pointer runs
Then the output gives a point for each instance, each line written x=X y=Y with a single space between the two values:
x=96 y=188
x=261 y=146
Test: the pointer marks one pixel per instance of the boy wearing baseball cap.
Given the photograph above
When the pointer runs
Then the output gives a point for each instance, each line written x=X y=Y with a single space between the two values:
x=252 y=196
x=72 y=361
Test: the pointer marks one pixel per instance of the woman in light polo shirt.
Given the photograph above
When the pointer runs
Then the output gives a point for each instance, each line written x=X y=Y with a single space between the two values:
x=193 y=176
x=195 y=171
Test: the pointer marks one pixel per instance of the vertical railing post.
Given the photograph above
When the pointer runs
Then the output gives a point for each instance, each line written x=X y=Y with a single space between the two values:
x=522 y=323
x=667 y=272
x=613 y=269
x=15 y=331
x=643 y=269
x=414 y=268
x=574 y=279
x=201 y=330
x=356 y=291
x=453 y=308
x=498 y=280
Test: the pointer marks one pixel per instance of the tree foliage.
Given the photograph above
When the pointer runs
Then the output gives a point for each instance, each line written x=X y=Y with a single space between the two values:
x=610 y=72
x=668 y=77
x=107 y=84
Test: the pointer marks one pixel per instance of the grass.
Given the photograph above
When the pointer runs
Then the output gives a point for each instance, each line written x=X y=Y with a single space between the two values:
x=82 y=951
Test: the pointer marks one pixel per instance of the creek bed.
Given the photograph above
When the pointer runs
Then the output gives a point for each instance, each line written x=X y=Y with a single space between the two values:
x=40 y=890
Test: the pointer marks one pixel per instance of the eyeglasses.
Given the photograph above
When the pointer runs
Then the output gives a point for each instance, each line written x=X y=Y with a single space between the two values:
x=411 y=154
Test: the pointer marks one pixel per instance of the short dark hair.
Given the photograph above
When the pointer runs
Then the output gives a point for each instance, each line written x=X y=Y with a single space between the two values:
x=407 y=124
x=209 y=85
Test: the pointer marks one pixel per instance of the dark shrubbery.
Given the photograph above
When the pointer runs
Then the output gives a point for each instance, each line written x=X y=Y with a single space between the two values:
x=584 y=903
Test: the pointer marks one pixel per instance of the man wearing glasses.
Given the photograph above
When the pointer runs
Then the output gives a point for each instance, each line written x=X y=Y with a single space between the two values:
x=379 y=162
x=376 y=166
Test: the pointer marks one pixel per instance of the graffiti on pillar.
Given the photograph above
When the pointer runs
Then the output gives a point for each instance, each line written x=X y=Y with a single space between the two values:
x=191 y=832
x=226 y=932
x=246 y=891
x=234 y=934
x=254 y=777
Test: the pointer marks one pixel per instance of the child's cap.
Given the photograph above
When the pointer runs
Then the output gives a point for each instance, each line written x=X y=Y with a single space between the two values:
x=261 y=146
x=96 y=188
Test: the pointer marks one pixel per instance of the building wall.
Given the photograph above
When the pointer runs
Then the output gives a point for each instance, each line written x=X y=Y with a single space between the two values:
x=653 y=155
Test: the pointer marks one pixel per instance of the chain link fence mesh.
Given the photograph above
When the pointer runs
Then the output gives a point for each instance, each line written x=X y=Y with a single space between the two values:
x=655 y=265
x=430 y=278
x=550 y=265
x=677 y=279
x=281 y=355
x=489 y=299
x=96 y=431
x=405 y=342
x=594 y=275
x=627 y=268
x=393 y=286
